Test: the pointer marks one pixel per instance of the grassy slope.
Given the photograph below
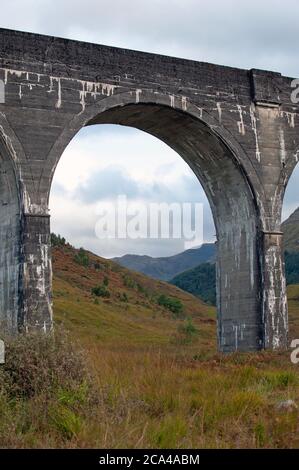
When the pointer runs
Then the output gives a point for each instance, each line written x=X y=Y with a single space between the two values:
x=157 y=390
x=139 y=322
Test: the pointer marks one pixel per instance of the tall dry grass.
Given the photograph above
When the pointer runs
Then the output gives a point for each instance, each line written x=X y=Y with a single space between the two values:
x=54 y=395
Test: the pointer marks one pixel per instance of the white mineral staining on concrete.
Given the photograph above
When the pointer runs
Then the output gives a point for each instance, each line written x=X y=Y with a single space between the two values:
x=200 y=112
x=39 y=267
x=40 y=280
x=42 y=267
x=254 y=128
x=8 y=142
x=17 y=73
x=184 y=103
x=238 y=334
x=51 y=89
x=218 y=105
x=26 y=201
x=58 y=103
x=290 y=117
x=240 y=123
x=94 y=89
x=30 y=207
x=250 y=241
x=275 y=298
x=171 y=100
x=282 y=147
x=137 y=94
x=24 y=76
x=82 y=96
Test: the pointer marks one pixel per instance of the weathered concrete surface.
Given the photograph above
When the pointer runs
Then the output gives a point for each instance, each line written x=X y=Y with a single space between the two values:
x=237 y=129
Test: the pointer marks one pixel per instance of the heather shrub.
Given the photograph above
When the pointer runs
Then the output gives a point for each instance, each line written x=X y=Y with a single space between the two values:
x=38 y=363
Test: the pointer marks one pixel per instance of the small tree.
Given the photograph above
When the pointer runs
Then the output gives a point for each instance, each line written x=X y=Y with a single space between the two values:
x=185 y=333
x=171 y=303
x=124 y=297
x=57 y=240
x=82 y=258
x=100 y=291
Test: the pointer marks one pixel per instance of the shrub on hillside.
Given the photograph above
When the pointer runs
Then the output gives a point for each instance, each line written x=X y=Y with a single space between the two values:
x=123 y=297
x=129 y=282
x=82 y=258
x=171 y=303
x=57 y=240
x=38 y=363
x=100 y=291
x=46 y=391
x=186 y=333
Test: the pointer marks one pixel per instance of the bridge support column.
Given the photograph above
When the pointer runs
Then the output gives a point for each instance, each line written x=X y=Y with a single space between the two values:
x=240 y=326
x=275 y=312
x=35 y=274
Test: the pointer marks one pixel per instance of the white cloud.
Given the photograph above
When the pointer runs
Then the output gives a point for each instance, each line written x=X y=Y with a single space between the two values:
x=101 y=164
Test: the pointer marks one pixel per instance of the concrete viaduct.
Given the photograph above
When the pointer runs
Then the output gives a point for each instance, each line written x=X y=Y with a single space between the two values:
x=238 y=130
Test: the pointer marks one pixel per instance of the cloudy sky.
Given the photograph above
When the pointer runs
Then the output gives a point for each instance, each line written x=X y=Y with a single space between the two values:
x=104 y=161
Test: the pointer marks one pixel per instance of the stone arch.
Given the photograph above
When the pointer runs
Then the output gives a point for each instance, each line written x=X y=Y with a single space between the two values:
x=177 y=103
x=227 y=177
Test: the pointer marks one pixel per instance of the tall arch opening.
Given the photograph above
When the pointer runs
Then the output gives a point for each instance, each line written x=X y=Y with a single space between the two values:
x=216 y=165
x=106 y=162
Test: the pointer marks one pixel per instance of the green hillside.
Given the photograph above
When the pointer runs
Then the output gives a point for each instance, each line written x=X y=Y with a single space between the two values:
x=201 y=280
x=130 y=307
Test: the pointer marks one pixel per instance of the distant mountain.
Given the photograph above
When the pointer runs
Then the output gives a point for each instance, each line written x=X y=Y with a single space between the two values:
x=290 y=228
x=165 y=268
x=194 y=271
